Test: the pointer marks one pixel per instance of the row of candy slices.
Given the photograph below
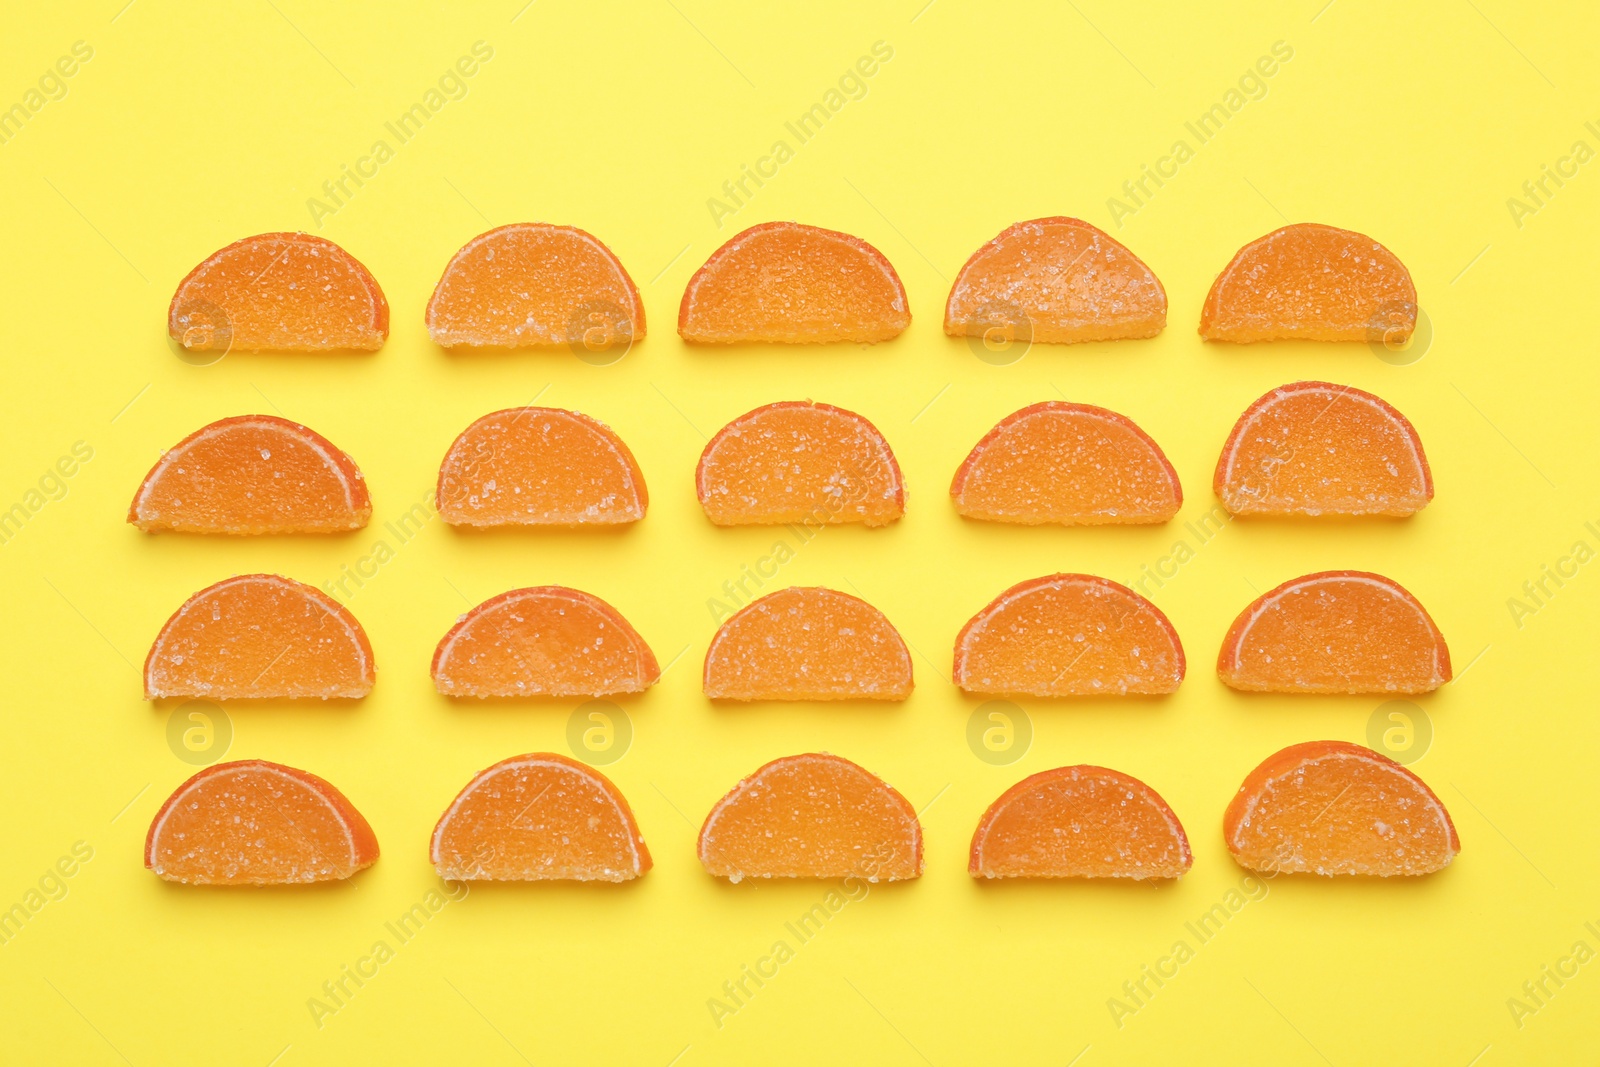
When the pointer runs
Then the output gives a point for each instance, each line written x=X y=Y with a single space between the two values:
x=534 y=284
x=1308 y=448
x=1066 y=635
x=1323 y=807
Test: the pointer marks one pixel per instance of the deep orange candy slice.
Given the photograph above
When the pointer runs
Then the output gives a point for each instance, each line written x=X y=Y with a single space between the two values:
x=1069 y=635
x=1059 y=279
x=1335 y=632
x=1312 y=448
x=792 y=284
x=535 y=818
x=1079 y=822
x=544 y=641
x=1315 y=283
x=1072 y=464
x=808 y=644
x=540 y=467
x=531 y=285
x=812 y=816
x=797 y=461
x=279 y=292
x=260 y=636
x=257 y=823
x=252 y=474
x=1333 y=808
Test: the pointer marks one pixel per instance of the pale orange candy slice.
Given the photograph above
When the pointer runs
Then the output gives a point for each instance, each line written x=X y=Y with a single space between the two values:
x=1335 y=632
x=543 y=641
x=279 y=292
x=1067 y=635
x=1059 y=279
x=1314 y=283
x=539 y=817
x=531 y=285
x=540 y=467
x=1333 y=808
x=252 y=474
x=1313 y=448
x=257 y=823
x=808 y=643
x=792 y=284
x=1073 y=464
x=260 y=636
x=797 y=461
x=1079 y=822
x=812 y=816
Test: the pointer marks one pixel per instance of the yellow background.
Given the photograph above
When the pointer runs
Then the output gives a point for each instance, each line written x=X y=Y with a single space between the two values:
x=192 y=127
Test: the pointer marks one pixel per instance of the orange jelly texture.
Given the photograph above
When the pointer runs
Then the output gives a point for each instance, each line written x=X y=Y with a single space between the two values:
x=260 y=636
x=800 y=462
x=1080 y=822
x=258 y=823
x=1058 y=280
x=812 y=816
x=532 y=285
x=279 y=292
x=808 y=644
x=539 y=817
x=1332 y=808
x=1072 y=464
x=787 y=283
x=540 y=467
x=543 y=641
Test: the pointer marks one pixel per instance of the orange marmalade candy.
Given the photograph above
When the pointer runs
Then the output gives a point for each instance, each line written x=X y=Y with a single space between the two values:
x=535 y=818
x=1069 y=635
x=812 y=816
x=1311 y=282
x=530 y=285
x=257 y=823
x=252 y=474
x=1335 y=632
x=1060 y=279
x=540 y=467
x=259 y=636
x=545 y=641
x=792 y=284
x=808 y=644
x=1311 y=448
x=1333 y=808
x=279 y=292
x=1072 y=464
x=797 y=461
x=1079 y=822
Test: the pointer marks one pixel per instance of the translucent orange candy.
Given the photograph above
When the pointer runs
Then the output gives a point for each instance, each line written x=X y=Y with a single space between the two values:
x=543 y=641
x=1056 y=280
x=257 y=823
x=1335 y=632
x=540 y=467
x=260 y=636
x=812 y=816
x=1312 y=448
x=1315 y=283
x=1333 y=808
x=532 y=284
x=1079 y=822
x=1072 y=464
x=1069 y=635
x=808 y=644
x=252 y=474
x=792 y=284
x=279 y=292
x=535 y=818
x=797 y=461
